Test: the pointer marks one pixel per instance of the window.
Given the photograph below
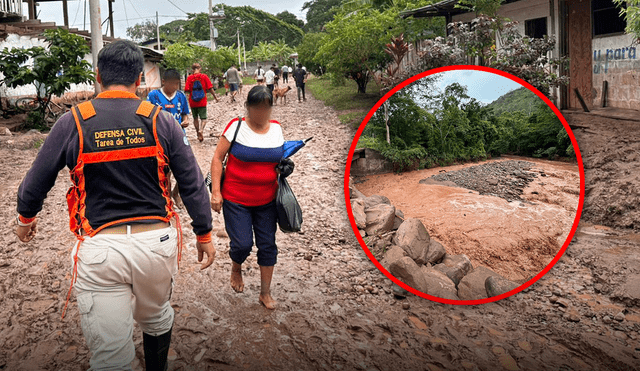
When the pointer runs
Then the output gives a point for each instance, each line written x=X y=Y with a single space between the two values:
x=606 y=18
x=536 y=28
x=143 y=79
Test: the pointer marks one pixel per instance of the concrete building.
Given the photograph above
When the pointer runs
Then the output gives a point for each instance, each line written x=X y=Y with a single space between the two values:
x=590 y=32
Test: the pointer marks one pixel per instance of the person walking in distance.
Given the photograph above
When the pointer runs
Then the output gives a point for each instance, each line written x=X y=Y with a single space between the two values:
x=119 y=150
x=285 y=74
x=269 y=78
x=233 y=77
x=198 y=84
x=300 y=77
x=259 y=75
x=247 y=194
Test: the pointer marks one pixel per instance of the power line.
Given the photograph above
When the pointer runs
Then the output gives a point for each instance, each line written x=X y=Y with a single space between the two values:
x=171 y=2
x=162 y=16
x=134 y=8
x=124 y=5
x=77 y=11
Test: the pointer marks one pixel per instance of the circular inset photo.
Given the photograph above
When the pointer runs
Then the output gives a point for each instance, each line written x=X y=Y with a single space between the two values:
x=464 y=185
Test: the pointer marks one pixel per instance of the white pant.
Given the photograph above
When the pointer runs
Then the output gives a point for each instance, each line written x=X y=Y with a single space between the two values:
x=122 y=277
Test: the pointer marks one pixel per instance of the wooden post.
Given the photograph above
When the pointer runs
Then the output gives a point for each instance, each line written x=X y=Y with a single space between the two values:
x=605 y=93
x=32 y=9
x=65 y=13
x=582 y=103
x=96 y=35
x=110 y=17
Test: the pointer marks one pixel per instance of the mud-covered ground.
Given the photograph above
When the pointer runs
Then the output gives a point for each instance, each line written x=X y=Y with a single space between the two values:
x=500 y=215
x=583 y=315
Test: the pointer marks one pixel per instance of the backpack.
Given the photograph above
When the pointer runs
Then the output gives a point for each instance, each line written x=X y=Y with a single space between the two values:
x=197 y=92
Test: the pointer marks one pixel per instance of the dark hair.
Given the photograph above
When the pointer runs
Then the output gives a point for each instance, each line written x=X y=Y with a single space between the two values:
x=120 y=63
x=299 y=65
x=259 y=95
x=195 y=66
x=171 y=74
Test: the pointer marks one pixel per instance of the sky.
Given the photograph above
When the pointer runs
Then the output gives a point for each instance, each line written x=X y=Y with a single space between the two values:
x=483 y=86
x=130 y=12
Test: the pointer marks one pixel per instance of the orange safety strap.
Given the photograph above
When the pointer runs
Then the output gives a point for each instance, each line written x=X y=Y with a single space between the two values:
x=77 y=205
x=119 y=154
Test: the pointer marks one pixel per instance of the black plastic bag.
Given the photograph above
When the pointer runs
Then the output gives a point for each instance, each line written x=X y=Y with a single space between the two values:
x=289 y=211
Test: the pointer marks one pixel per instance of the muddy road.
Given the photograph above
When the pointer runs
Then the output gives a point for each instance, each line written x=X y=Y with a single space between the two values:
x=515 y=235
x=336 y=311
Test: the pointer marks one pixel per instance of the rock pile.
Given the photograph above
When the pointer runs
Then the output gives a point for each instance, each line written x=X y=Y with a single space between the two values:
x=504 y=179
x=405 y=249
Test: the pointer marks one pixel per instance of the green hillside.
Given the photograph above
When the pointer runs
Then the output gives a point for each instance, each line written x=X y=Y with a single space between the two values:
x=521 y=99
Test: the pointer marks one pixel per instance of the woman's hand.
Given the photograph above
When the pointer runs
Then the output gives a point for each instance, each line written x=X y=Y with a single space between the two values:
x=216 y=201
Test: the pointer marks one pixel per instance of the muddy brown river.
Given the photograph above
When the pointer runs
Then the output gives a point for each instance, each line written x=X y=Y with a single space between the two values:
x=516 y=239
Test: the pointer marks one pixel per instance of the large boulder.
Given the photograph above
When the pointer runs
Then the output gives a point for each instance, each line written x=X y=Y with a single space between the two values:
x=398 y=219
x=471 y=286
x=374 y=200
x=413 y=237
x=455 y=267
x=407 y=271
x=379 y=219
x=436 y=252
x=438 y=284
x=357 y=206
x=498 y=285
x=394 y=253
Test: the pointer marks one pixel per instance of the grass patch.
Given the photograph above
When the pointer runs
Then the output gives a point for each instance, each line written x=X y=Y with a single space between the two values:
x=352 y=118
x=344 y=97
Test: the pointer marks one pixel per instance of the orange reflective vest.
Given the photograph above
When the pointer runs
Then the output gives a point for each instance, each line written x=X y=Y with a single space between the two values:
x=113 y=147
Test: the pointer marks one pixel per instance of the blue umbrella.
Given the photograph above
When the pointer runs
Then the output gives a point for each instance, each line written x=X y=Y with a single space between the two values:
x=293 y=146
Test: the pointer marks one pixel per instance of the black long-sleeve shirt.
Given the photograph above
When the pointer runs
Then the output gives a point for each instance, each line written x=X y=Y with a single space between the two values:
x=61 y=149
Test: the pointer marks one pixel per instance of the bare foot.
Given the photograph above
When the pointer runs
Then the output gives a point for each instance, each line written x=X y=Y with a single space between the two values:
x=236 y=279
x=200 y=138
x=267 y=301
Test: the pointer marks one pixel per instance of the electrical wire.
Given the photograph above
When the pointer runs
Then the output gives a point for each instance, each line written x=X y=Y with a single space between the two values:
x=77 y=11
x=124 y=5
x=171 y=2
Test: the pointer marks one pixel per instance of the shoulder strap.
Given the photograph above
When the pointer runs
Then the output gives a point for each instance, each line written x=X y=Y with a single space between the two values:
x=87 y=110
x=145 y=108
x=235 y=135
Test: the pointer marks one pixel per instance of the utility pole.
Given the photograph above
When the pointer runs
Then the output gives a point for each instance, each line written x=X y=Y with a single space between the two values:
x=111 y=17
x=96 y=35
x=211 y=28
x=158 y=30
x=65 y=13
x=239 y=61
x=244 y=54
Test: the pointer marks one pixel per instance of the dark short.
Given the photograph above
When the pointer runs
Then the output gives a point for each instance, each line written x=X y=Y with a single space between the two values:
x=243 y=222
x=270 y=86
x=233 y=86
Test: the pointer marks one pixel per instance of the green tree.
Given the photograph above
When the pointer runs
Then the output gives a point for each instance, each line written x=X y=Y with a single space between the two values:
x=630 y=9
x=486 y=7
x=307 y=51
x=319 y=13
x=354 y=43
x=53 y=69
x=180 y=56
x=290 y=18
x=142 y=31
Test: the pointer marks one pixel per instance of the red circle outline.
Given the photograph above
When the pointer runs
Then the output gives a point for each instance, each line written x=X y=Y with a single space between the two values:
x=347 y=173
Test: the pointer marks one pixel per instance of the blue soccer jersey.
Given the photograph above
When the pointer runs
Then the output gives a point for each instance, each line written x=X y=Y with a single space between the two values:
x=177 y=106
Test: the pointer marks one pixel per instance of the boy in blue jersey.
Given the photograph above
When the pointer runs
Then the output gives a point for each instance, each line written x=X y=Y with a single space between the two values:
x=170 y=98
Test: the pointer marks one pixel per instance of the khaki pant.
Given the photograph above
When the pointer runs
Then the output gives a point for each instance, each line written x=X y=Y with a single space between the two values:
x=121 y=278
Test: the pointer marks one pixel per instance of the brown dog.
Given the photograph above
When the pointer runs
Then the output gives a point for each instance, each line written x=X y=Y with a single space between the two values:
x=281 y=93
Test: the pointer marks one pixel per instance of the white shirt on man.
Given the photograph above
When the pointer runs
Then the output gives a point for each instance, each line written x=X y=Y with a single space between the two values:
x=269 y=77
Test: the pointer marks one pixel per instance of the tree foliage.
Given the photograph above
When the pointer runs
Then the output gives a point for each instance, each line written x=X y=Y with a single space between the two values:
x=630 y=9
x=319 y=13
x=254 y=25
x=182 y=55
x=451 y=126
x=53 y=70
x=277 y=51
x=142 y=31
x=307 y=51
x=290 y=18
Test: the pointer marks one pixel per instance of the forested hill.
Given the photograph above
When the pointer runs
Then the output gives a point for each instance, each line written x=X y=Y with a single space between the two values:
x=521 y=99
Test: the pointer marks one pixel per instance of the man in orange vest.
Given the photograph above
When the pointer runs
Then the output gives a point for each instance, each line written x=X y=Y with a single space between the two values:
x=119 y=150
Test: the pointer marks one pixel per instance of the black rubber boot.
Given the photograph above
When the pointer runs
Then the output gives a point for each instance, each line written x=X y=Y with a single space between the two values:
x=156 y=350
